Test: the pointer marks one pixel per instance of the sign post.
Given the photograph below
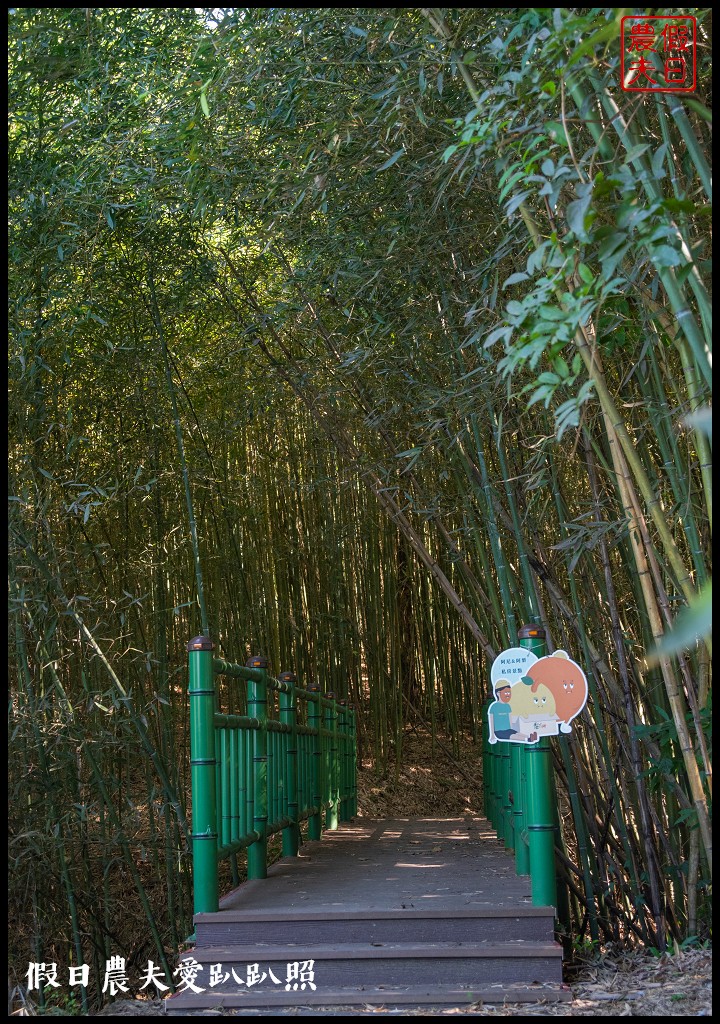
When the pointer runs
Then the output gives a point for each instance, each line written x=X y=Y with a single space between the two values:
x=539 y=812
x=536 y=696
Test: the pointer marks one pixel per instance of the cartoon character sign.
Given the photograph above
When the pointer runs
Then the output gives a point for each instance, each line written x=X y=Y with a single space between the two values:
x=534 y=696
x=566 y=682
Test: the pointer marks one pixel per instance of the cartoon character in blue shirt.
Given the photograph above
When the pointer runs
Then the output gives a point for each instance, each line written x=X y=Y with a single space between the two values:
x=499 y=715
x=500 y=711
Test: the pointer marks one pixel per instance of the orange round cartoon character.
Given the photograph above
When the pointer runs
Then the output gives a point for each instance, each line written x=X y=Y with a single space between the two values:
x=567 y=683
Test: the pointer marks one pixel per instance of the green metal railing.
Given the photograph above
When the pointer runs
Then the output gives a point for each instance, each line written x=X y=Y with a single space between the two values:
x=255 y=775
x=520 y=796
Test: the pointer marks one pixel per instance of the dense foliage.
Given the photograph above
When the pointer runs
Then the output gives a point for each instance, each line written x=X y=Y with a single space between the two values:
x=357 y=337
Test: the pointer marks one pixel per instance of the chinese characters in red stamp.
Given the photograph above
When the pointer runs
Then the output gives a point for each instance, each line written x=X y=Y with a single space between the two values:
x=658 y=53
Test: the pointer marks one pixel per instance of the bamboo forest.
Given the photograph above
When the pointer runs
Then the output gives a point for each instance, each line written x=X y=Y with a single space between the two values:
x=354 y=343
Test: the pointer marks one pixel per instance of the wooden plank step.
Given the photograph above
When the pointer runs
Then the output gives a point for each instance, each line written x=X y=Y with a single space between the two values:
x=528 y=910
x=186 y=1003
x=353 y=964
x=233 y=927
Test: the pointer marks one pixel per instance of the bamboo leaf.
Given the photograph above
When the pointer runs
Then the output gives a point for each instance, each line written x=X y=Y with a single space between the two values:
x=392 y=160
x=700 y=420
x=515 y=279
x=692 y=624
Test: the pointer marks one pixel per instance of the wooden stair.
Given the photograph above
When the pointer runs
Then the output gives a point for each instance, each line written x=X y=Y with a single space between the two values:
x=400 y=913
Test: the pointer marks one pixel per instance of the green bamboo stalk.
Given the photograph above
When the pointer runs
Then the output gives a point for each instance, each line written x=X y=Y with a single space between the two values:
x=677 y=112
x=494 y=536
x=55 y=818
x=123 y=695
x=154 y=930
x=683 y=314
x=181 y=453
x=671 y=460
x=529 y=584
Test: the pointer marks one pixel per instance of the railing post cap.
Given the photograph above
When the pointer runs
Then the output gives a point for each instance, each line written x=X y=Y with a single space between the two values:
x=200 y=643
x=341 y=700
x=257 y=661
x=531 y=630
x=288 y=677
x=330 y=695
x=313 y=688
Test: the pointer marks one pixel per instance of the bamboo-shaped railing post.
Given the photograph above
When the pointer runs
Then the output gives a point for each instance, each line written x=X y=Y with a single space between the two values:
x=486 y=762
x=257 y=708
x=331 y=722
x=352 y=724
x=492 y=761
x=540 y=796
x=495 y=800
x=202 y=774
x=345 y=760
x=235 y=797
x=517 y=764
x=515 y=798
x=316 y=787
x=506 y=809
x=288 y=716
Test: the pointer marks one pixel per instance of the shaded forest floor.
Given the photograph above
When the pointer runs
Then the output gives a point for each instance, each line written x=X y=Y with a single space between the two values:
x=611 y=983
x=428 y=783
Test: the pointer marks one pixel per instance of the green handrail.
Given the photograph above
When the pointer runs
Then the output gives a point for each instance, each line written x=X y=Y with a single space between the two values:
x=255 y=775
x=202 y=774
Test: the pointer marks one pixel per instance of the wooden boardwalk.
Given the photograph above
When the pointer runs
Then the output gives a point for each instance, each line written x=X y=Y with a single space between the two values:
x=405 y=911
